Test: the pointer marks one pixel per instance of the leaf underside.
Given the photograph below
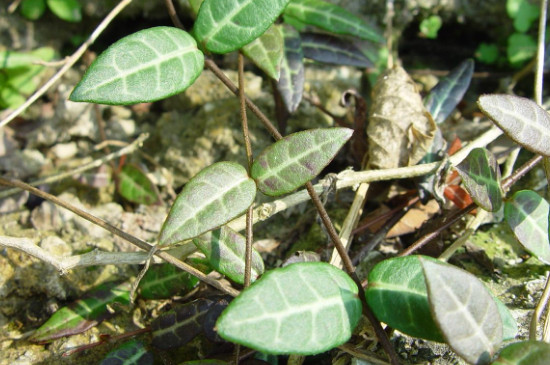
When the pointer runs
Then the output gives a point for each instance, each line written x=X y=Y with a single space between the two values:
x=296 y=159
x=527 y=216
x=213 y=197
x=225 y=26
x=267 y=51
x=291 y=76
x=304 y=308
x=481 y=176
x=464 y=310
x=521 y=119
x=145 y=66
x=329 y=49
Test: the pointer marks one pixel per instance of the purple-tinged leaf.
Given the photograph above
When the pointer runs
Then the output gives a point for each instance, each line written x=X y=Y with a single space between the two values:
x=291 y=77
x=521 y=119
x=296 y=159
x=330 y=49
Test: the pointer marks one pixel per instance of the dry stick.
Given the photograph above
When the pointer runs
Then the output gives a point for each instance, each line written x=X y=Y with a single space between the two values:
x=539 y=309
x=248 y=149
x=456 y=215
x=146 y=246
x=70 y=62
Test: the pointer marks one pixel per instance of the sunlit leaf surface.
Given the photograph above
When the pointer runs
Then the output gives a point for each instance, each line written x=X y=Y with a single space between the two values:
x=145 y=66
x=291 y=162
x=304 y=308
x=213 y=197
x=521 y=119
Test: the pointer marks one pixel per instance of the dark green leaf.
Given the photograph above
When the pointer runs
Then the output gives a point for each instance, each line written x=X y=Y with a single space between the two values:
x=211 y=317
x=213 y=197
x=180 y=325
x=267 y=51
x=523 y=13
x=129 y=353
x=296 y=159
x=205 y=362
x=527 y=216
x=291 y=78
x=68 y=10
x=448 y=92
x=329 y=49
x=487 y=52
x=164 y=281
x=332 y=18
x=524 y=353
x=464 y=310
x=33 y=9
x=430 y=26
x=304 y=308
x=84 y=313
x=481 y=176
x=225 y=26
x=145 y=66
x=521 y=119
x=521 y=47
x=225 y=250
x=135 y=186
x=397 y=295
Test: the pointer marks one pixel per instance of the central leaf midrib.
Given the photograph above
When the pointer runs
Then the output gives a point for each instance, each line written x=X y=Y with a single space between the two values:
x=217 y=27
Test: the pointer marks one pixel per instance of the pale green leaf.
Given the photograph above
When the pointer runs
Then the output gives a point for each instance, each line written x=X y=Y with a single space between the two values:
x=68 y=10
x=267 y=51
x=225 y=26
x=291 y=79
x=296 y=159
x=521 y=119
x=304 y=308
x=145 y=66
x=213 y=197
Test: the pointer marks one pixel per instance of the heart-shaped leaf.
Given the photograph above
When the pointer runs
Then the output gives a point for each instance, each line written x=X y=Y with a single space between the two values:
x=225 y=26
x=135 y=186
x=145 y=66
x=448 y=92
x=329 y=49
x=527 y=216
x=129 y=353
x=332 y=18
x=213 y=197
x=164 y=281
x=521 y=119
x=267 y=51
x=304 y=308
x=291 y=78
x=524 y=353
x=464 y=310
x=296 y=159
x=225 y=250
x=481 y=177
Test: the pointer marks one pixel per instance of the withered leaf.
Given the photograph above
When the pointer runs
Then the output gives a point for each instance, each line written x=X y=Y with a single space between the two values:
x=400 y=130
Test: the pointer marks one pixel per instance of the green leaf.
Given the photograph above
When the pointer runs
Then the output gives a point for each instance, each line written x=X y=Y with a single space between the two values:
x=304 y=308
x=523 y=13
x=68 y=10
x=225 y=250
x=180 y=325
x=84 y=313
x=267 y=51
x=487 y=53
x=332 y=18
x=145 y=66
x=527 y=216
x=329 y=49
x=296 y=159
x=195 y=5
x=524 y=353
x=481 y=177
x=430 y=26
x=129 y=353
x=213 y=197
x=397 y=295
x=448 y=92
x=291 y=79
x=225 y=26
x=521 y=119
x=135 y=186
x=164 y=281
x=521 y=48
x=464 y=310
x=33 y=9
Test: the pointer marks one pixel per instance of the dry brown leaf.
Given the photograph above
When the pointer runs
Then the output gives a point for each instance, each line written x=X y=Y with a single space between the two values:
x=400 y=130
x=414 y=219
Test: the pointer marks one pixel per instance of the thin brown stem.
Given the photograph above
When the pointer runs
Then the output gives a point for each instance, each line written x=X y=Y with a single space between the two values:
x=172 y=14
x=146 y=246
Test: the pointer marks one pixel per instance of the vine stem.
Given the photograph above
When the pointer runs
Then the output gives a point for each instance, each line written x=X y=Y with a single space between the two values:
x=69 y=62
x=146 y=246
